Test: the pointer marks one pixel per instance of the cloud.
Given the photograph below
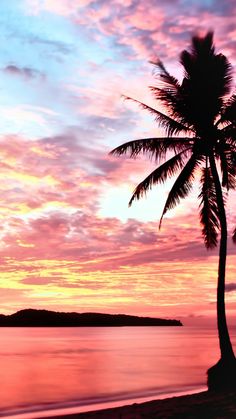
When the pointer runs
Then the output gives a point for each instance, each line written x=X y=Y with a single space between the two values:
x=143 y=30
x=62 y=7
x=97 y=243
x=26 y=72
x=51 y=207
x=54 y=46
x=61 y=244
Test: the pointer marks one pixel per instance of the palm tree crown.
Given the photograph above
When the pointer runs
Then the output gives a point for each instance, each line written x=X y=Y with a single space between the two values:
x=200 y=122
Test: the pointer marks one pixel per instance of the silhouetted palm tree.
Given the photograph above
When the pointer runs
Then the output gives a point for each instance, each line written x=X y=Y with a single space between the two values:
x=200 y=123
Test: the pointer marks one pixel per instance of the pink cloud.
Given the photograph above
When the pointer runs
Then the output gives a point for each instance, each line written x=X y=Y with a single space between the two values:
x=56 y=247
x=162 y=28
x=62 y=7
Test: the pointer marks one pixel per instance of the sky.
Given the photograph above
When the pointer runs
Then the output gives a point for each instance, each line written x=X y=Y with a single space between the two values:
x=69 y=242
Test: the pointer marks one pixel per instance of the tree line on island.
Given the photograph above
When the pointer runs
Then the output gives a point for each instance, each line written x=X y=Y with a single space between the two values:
x=46 y=318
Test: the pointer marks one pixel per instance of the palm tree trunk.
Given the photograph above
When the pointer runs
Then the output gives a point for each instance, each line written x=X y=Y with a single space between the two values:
x=227 y=353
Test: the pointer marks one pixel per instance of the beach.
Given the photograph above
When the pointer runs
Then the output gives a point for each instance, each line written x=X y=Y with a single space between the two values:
x=204 y=405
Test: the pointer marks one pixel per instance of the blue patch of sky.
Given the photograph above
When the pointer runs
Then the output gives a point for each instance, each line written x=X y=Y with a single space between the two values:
x=53 y=44
x=57 y=49
x=214 y=6
x=36 y=41
x=46 y=44
x=200 y=3
x=50 y=44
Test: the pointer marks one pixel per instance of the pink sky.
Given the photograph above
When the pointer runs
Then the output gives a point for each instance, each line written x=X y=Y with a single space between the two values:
x=69 y=242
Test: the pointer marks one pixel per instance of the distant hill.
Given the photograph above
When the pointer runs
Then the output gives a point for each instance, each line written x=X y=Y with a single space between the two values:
x=45 y=318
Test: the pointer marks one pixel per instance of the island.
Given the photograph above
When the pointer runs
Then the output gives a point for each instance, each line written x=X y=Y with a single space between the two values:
x=46 y=318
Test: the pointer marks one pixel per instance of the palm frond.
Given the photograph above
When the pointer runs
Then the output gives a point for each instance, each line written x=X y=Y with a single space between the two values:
x=201 y=108
x=175 y=103
x=182 y=185
x=165 y=95
x=224 y=169
x=228 y=113
x=167 y=86
x=156 y=148
x=228 y=170
x=227 y=155
x=206 y=68
x=209 y=214
x=164 y=76
x=169 y=98
x=227 y=136
x=169 y=124
x=159 y=175
x=228 y=131
x=207 y=80
x=168 y=92
x=234 y=236
x=233 y=158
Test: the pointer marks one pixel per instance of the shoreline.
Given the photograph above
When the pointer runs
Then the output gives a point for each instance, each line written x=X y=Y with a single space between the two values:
x=76 y=408
x=198 y=404
x=208 y=405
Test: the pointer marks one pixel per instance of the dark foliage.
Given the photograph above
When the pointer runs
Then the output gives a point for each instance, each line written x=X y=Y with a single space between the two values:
x=201 y=108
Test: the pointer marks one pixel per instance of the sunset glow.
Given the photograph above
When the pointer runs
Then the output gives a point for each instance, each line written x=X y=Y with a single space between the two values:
x=69 y=242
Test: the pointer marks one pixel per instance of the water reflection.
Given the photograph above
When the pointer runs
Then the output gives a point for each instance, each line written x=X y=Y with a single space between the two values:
x=46 y=365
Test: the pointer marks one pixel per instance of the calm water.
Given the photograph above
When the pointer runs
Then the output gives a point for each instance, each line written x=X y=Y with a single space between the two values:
x=54 y=367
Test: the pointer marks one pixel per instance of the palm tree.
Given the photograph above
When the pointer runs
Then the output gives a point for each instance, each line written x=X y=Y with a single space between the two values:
x=200 y=124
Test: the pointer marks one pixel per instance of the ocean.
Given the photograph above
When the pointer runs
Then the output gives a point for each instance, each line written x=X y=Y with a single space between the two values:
x=50 y=370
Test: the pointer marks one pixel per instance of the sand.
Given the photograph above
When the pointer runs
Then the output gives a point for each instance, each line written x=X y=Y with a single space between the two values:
x=204 y=405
